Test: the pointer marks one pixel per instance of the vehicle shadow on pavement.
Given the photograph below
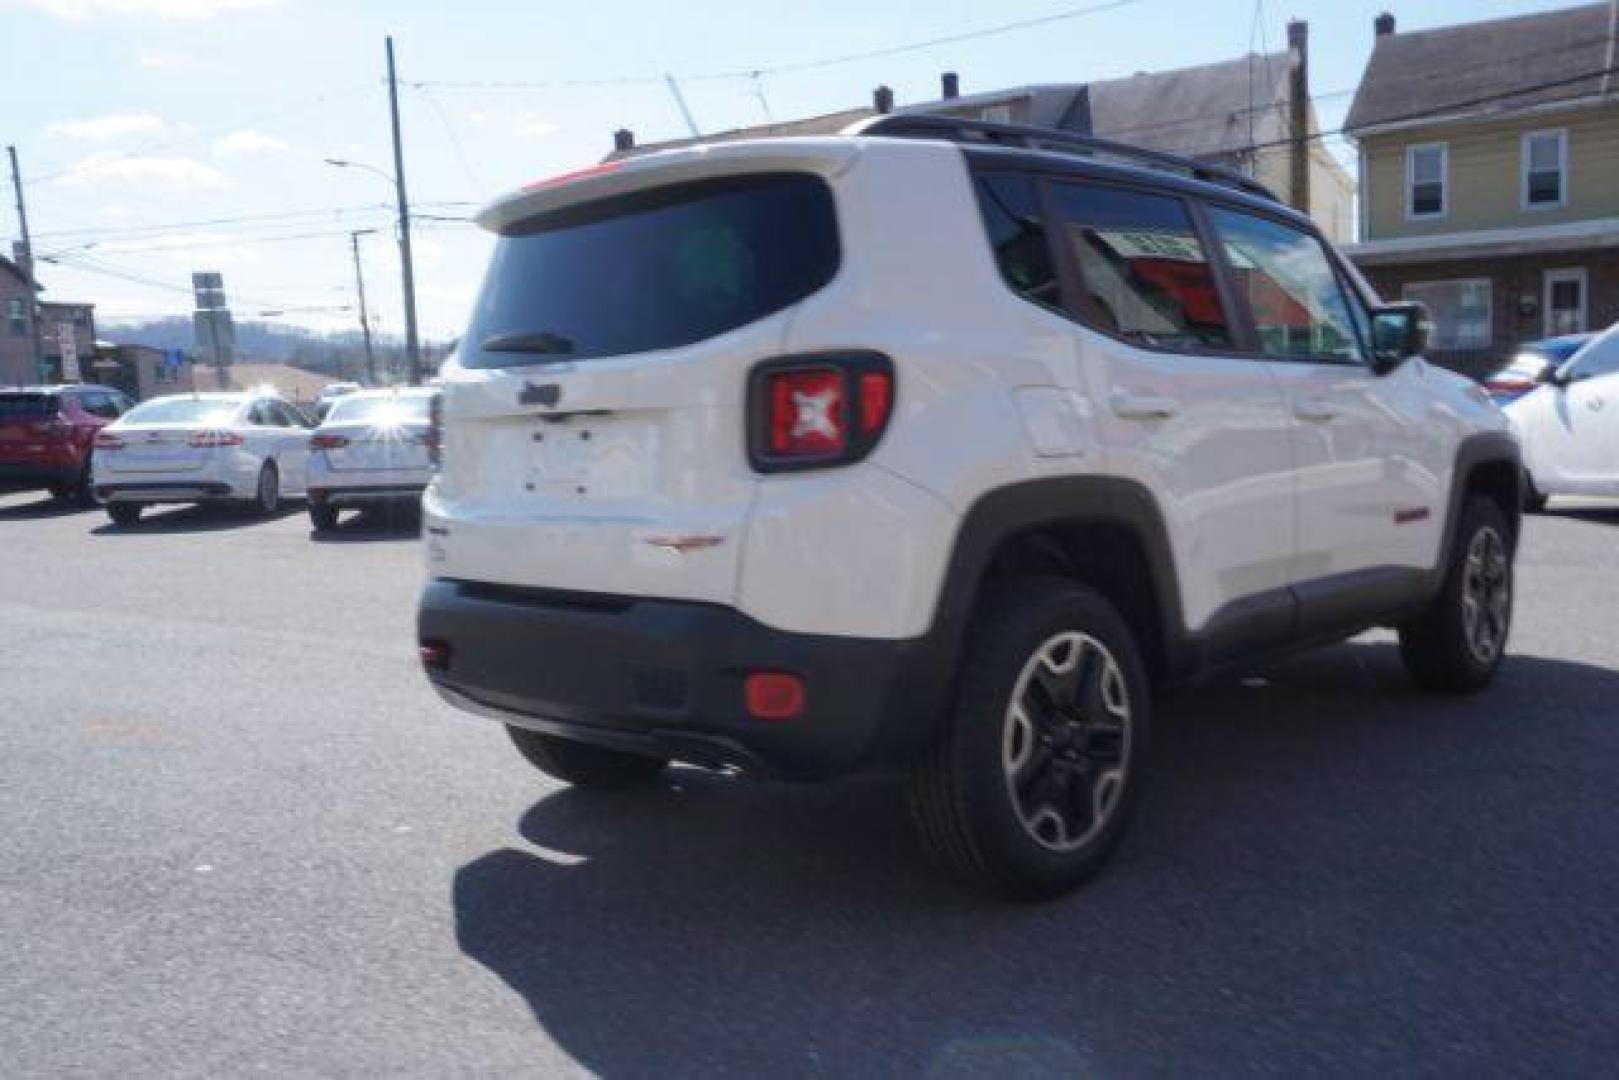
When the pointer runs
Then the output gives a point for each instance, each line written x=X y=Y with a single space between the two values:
x=371 y=527
x=194 y=519
x=44 y=507
x=1331 y=870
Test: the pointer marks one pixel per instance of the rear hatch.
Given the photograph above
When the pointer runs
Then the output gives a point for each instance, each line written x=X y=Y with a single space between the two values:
x=30 y=423
x=594 y=427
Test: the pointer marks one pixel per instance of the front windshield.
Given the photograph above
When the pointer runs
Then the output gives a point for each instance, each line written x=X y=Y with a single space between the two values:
x=185 y=411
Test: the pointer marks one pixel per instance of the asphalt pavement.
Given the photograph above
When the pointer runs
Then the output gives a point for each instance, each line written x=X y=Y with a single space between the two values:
x=239 y=835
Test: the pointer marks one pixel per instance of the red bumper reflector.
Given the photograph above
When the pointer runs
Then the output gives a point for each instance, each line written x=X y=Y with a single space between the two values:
x=435 y=655
x=774 y=695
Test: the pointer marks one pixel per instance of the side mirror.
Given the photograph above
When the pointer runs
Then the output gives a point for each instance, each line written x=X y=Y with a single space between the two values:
x=1399 y=332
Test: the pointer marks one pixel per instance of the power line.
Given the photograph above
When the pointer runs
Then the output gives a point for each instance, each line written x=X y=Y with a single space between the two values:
x=757 y=71
x=94 y=163
x=279 y=215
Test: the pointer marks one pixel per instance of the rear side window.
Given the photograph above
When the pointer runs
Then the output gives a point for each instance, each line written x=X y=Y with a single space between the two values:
x=1298 y=305
x=27 y=406
x=655 y=270
x=1017 y=235
x=102 y=405
x=1145 y=274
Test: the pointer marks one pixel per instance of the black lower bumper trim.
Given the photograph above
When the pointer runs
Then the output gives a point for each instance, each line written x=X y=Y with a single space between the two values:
x=666 y=677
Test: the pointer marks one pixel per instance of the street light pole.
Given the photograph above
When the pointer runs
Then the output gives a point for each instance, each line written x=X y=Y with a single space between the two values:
x=30 y=305
x=365 y=322
x=412 y=348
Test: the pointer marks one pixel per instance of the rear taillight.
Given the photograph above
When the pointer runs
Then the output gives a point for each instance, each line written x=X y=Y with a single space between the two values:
x=106 y=440
x=816 y=411
x=434 y=438
x=326 y=440
x=205 y=440
x=1508 y=386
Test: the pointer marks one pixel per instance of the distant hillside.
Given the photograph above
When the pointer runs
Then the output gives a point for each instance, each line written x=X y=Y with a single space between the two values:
x=337 y=353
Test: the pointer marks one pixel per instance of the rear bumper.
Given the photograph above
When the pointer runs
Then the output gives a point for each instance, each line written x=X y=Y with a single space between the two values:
x=666 y=677
x=164 y=492
x=365 y=494
x=37 y=474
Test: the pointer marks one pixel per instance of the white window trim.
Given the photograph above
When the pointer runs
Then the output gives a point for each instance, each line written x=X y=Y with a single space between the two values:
x=1489 y=305
x=1411 y=181
x=1552 y=277
x=1561 y=134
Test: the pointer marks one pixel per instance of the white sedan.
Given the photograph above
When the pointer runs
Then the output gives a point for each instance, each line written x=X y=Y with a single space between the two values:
x=1569 y=426
x=196 y=448
x=374 y=449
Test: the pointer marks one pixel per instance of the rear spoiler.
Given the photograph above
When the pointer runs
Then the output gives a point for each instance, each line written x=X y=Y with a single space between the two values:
x=828 y=157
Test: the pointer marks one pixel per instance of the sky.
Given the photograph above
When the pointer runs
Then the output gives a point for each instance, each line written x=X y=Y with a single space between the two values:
x=159 y=137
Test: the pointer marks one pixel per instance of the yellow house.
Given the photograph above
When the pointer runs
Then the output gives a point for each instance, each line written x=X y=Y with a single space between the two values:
x=1489 y=177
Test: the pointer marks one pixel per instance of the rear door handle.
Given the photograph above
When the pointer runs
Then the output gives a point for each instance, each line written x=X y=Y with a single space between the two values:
x=1315 y=409
x=1143 y=406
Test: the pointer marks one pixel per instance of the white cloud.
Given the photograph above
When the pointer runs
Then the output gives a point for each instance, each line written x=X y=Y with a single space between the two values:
x=532 y=125
x=248 y=141
x=84 y=10
x=477 y=118
x=110 y=126
x=156 y=60
x=173 y=173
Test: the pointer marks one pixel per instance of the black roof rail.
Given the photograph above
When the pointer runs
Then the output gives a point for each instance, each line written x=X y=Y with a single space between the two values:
x=959 y=129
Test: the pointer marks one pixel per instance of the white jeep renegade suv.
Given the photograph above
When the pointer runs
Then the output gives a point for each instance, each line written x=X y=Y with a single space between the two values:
x=936 y=446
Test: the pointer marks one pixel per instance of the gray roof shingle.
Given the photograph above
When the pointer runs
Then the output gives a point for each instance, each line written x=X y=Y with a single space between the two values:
x=1440 y=72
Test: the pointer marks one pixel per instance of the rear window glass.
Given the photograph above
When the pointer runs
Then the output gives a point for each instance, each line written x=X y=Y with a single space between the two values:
x=184 y=411
x=27 y=406
x=379 y=410
x=655 y=270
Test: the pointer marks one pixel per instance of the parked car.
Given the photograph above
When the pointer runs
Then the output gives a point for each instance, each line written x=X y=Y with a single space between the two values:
x=246 y=448
x=1568 y=426
x=1531 y=366
x=373 y=450
x=329 y=395
x=47 y=434
x=935 y=447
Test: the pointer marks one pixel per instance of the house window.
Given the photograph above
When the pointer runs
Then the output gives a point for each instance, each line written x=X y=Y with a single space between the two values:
x=1545 y=169
x=16 y=317
x=1425 y=180
x=1460 y=311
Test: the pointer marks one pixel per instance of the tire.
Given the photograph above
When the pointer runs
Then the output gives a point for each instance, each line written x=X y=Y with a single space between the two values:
x=124 y=514
x=1032 y=838
x=61 y=492
x=267 y=495
x=1457 y=645
x=583 y=765
x=323 y=516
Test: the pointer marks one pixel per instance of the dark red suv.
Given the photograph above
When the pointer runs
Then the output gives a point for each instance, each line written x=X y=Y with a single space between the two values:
x=47 y=432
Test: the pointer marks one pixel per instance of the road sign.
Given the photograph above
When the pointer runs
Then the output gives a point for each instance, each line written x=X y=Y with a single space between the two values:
x=68 y=343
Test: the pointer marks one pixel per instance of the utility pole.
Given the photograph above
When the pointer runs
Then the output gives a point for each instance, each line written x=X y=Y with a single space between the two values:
x=30 y=310
x=680 y=100
x=365 y=322
x=413 y=355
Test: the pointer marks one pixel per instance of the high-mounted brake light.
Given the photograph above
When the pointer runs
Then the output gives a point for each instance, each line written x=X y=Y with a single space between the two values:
x=815 y=411
x=569 y=177
x=207 y=440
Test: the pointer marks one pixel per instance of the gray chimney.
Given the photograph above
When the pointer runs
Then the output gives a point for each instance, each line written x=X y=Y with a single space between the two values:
x=1384 y=24
x=623 y=139
x=882 y=99
x=1298 y=114
x=951 y=83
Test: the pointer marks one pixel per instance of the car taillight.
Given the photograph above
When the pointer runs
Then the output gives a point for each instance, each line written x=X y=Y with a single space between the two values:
x=212 y=439
x=817 y=411
x=434 y=437
x=1508 y=386
x=327 y=440
x=106 y=440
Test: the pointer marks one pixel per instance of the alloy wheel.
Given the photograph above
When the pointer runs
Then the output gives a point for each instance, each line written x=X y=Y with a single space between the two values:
x=1065 y=747
x=1486 y=595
